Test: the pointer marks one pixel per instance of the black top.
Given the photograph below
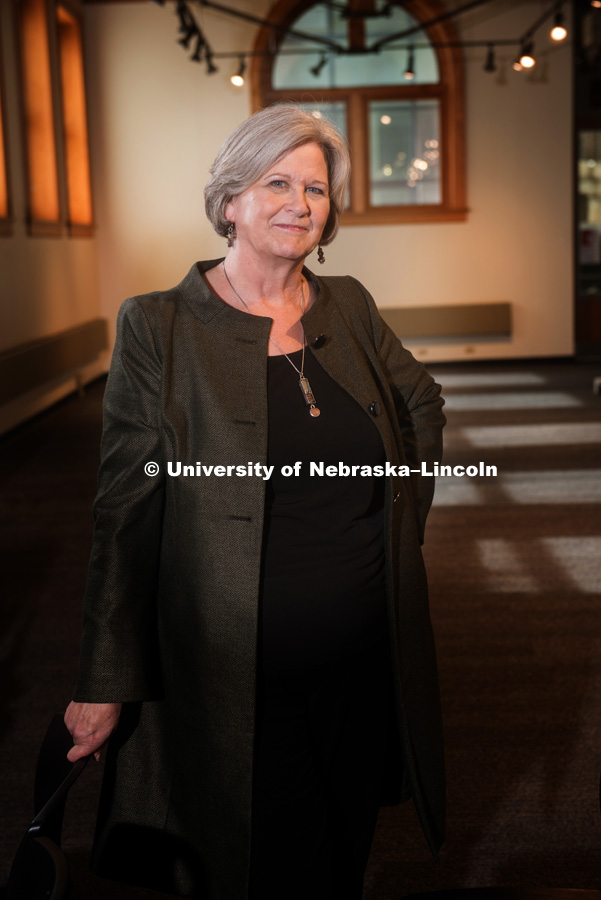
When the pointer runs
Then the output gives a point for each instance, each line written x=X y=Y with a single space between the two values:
x=323 y=592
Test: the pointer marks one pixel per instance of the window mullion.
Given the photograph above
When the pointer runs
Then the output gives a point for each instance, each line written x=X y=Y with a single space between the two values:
x=44 y=201
x=4 y=189
x=357 y=132
x=75 y=129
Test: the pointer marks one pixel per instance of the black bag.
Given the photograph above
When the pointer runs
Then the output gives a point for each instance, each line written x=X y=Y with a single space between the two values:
x=39 y=870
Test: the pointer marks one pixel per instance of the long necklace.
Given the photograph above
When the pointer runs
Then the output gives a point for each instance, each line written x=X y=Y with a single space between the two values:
x=303 y=381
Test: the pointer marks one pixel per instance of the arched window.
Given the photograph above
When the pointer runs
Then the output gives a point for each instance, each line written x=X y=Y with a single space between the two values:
x=75 y=124
x=50 y=166
x=5 y=222
x=42 y=165
x=391 y=79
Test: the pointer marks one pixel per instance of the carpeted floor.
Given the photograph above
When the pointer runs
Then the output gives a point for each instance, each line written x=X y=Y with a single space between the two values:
x=514 y=564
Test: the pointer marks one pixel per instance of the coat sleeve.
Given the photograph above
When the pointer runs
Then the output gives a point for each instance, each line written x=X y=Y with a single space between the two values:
x=418 y=407
x=119 y=655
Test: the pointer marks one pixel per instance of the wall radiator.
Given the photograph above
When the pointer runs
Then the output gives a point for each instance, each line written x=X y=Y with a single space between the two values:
x=479 y=322
x=38 y=363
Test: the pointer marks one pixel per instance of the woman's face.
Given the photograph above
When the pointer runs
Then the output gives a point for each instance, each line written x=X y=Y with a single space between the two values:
x=284 y=212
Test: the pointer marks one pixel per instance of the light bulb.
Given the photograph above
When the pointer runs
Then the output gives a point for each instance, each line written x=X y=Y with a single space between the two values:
x=238 y=79
x=527 y=60
x=559 y=32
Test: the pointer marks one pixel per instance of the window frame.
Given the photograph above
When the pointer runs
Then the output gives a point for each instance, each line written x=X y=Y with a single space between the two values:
x=74 y=121
x=6 y=216
x=449 y=91
x=41 y=160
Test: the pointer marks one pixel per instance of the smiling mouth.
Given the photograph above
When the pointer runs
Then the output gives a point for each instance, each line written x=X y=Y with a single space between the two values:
x=293 y=228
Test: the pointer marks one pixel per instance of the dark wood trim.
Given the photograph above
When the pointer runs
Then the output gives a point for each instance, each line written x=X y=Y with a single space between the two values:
x=73 y=7
x=38 y=228
x=452 y=77
x=588 y=321
x=359 y=154
x=268 y=42
x=585 y=117
x=377 y=92
x=399 y=215
x=7 y=220
x=81 y=231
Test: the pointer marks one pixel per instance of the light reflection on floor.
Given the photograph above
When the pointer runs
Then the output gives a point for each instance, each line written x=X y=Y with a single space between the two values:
x=558 y=487
x=501 y=379
x=533 y=435
x=569 y=498
x=513 y=400
x=580 y=558
x=506 y=571
x=506 y=563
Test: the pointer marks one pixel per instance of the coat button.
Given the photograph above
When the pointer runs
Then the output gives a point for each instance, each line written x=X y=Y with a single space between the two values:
x=319 y=341
x=396 y=496
x=374 y=408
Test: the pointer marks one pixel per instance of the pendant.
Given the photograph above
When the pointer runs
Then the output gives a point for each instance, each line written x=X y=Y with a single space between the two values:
x=309 y=396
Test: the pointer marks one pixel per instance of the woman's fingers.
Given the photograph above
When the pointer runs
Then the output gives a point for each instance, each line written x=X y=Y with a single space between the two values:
x=91 y=725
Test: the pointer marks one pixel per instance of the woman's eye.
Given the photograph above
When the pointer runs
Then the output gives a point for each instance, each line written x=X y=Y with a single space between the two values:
x=316 y=190
x=276 y=183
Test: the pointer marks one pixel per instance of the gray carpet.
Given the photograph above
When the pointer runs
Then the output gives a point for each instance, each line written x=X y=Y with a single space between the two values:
x=515 y=572
x=514 y=566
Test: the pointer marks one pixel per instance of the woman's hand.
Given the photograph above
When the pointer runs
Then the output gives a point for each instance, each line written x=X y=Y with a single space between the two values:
x=91 y=725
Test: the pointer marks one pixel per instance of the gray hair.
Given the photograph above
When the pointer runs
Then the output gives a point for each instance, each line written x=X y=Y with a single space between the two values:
x=258 y=143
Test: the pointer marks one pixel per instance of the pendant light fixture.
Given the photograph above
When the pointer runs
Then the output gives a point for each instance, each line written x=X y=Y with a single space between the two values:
x=410 y=68
x=559 y=32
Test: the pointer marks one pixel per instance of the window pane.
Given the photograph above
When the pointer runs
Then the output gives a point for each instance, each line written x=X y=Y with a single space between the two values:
x=297 y=57
x=404 y=142
x=74 y=118
x=336 y=113
x=386 y=67
x=3 y=182
x=589 y=196
x=39 y=116
x=589 y=213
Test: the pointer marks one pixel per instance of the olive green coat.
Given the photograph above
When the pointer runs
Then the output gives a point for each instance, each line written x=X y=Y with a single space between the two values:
x=170 y=615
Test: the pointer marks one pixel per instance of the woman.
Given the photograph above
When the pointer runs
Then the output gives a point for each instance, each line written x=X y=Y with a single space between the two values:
x=256 y=629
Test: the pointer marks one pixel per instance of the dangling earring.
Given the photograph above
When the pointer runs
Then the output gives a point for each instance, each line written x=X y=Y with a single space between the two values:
x=321 y=257
x=231 y=234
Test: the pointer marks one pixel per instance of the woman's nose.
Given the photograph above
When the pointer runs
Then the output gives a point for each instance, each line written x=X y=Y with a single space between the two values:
x=298 y=201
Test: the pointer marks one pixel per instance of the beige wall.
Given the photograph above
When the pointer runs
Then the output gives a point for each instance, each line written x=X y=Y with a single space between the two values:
x=46 y=284
x=157 y=121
